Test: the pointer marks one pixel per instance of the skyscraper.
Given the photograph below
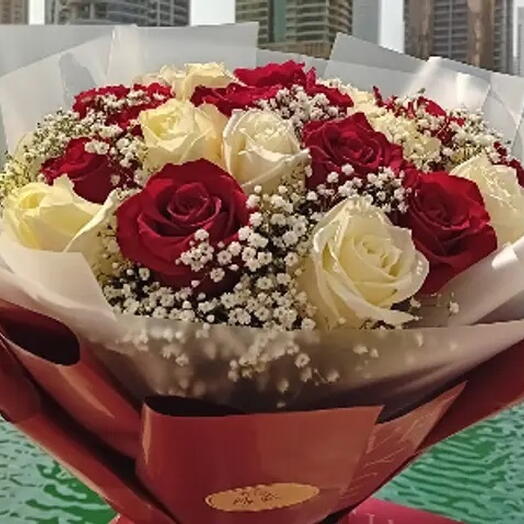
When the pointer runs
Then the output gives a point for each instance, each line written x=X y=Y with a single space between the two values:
x=14 y=11
x=367 y=15
x=478 y=32
x=297 y=26
x=140 y=12
x=519 y=69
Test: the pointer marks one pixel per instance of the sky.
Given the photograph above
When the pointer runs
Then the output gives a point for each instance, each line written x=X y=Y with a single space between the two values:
x=223 y=11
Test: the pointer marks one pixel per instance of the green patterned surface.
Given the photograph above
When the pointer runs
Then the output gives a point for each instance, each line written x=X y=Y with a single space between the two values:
x=476 y=477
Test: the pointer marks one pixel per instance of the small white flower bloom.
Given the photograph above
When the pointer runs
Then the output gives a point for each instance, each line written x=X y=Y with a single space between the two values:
x=454 y=308
x=217 y=274
x=332 y=178
x=302 y=360
x=201 y=235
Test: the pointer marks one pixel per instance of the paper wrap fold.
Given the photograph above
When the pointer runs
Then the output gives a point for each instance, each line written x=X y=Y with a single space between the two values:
x=452 y=84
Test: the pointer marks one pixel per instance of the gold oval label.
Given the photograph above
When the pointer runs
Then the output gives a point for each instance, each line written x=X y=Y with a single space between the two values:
x=262 y=497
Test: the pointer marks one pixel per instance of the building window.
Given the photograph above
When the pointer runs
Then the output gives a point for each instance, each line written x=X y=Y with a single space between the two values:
x=101 y=10
x=277 y=18
x=83 y=11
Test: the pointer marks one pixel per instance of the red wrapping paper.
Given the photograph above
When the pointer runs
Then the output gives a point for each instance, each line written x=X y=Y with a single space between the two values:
x=372 y=511
x=392 y=444
x=111 y=476
x=292 y=467
x=319 y=450
x=68 y=372
x=492 y=387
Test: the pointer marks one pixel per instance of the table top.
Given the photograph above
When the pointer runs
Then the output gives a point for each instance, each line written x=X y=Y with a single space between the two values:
x=476 y=477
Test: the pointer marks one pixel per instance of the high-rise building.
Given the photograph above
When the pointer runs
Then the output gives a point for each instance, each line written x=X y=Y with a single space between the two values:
x=503 y=35
x=297 y=26
x=478 y=32
x=519 y=65
x=367 y=15
x=140 y=12
x=14 y=11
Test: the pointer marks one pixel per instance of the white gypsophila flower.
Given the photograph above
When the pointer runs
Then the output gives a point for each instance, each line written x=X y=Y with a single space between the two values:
x=421 y=149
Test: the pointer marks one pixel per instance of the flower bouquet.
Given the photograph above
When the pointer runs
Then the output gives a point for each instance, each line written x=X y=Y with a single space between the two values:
x=233 y=293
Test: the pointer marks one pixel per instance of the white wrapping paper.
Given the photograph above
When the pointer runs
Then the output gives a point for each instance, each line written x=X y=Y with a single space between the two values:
x=395 y=367
x=450 y=83
x=166 y=357
x=366 y=65
x=504 y=102
x=349 y=49
x=139 y=50
x=24 y=44
x=31 y=92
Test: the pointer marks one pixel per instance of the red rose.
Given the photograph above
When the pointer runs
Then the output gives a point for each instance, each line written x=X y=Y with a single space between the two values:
x=507 y=160
x=234 y=96
x=449 y=224
x=431 y=107
x=289 y=74
x=352 y=140
x=286 y=74
x=409 y=110
x=334 y=96
x=90 y=173
x=146 y=97
x=158 y=224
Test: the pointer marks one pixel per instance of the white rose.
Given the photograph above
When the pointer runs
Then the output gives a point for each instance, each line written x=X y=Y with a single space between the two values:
x=184 y=81
x=360 y=265
x=211 y=74
x=260 y=148
x=55 y=218
x=177 y=132
x=503 y=196
x=164 y=77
